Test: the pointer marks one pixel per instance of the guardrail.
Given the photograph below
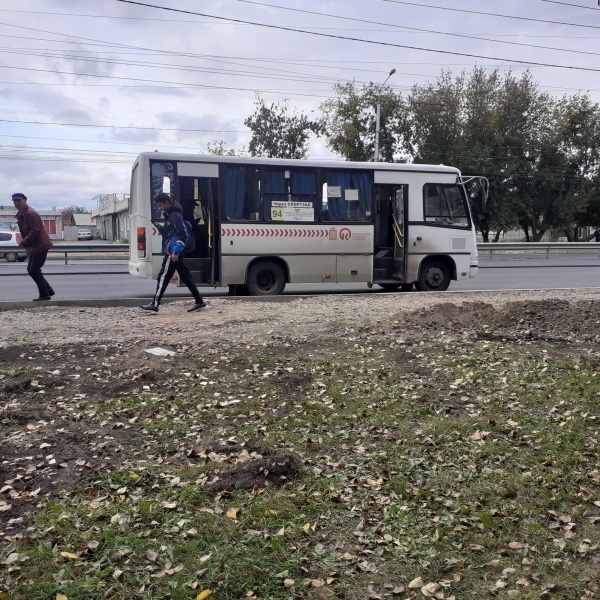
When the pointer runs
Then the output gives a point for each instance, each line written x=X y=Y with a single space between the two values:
x=505 y=248
x=546 y=248
x=67 y=249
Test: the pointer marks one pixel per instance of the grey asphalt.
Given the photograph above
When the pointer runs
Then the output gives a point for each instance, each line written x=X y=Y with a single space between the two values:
x=109 y=283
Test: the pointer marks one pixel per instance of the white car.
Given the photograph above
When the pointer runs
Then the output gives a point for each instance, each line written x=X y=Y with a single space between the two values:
x=84 y=234
x=12 y=238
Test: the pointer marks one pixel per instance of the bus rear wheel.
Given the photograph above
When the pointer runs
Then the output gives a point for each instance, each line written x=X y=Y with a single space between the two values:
x=266 y=278
x=433 y=277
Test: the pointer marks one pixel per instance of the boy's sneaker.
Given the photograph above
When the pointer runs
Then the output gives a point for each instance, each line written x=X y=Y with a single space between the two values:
x=151 y=307
x=198 y=306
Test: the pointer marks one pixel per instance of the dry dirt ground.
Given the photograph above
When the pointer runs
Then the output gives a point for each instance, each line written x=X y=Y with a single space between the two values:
x=55 y=360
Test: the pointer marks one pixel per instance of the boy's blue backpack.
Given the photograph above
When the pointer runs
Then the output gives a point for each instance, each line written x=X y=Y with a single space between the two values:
x=190 y=243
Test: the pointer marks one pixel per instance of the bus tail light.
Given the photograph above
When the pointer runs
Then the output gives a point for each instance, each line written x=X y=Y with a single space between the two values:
x=141 y=242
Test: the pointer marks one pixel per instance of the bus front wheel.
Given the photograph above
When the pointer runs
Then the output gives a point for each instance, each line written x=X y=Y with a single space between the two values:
x=266 y=278
x=433 y=277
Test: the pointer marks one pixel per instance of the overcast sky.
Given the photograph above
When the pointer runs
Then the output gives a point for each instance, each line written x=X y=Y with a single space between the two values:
x=87 y=85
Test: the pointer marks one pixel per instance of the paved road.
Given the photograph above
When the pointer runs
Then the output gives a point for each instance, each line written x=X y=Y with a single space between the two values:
x=109 y=280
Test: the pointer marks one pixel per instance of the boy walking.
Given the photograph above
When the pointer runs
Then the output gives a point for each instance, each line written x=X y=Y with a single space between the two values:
x=174 y=237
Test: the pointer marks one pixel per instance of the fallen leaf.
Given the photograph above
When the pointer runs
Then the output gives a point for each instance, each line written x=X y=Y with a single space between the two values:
x=69 y=555
x=204 y=594
x=61 y=597
x=232 y=513
x=432 y=590
x=416 y=584
x=151 y=555
x=372 y=594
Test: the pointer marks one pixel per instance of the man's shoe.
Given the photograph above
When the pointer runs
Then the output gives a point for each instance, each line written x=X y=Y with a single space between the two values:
x=199 y=306
x=151 y=307
x=51 y=292
x=41 y=298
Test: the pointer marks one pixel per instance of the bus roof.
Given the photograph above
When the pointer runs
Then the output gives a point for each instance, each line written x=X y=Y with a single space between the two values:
x=290 y=162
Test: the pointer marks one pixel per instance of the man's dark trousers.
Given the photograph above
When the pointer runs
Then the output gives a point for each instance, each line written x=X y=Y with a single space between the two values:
x=34 y=268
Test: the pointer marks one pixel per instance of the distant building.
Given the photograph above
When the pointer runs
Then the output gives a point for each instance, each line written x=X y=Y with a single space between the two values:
x=50 y=218
x=75 y=223
x=112 y=217
x=83 y=220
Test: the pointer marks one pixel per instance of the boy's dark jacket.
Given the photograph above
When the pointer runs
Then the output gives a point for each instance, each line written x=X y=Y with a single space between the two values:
x=173 y=231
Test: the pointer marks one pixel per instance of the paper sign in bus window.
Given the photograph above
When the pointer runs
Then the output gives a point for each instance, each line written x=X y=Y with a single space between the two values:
x=292 y=211
x=351 y=195
x=334 y=191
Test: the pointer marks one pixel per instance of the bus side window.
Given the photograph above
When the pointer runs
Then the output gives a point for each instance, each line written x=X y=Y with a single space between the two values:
x=445 y=204
x=242 y=193
x=162 y=179
x=290 y=195
x=347 y=196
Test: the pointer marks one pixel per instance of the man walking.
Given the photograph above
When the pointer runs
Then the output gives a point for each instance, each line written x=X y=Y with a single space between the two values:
x=174 y=240
x=36 y=242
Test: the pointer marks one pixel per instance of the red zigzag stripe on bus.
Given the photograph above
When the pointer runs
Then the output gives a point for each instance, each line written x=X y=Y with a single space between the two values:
x=274 y=232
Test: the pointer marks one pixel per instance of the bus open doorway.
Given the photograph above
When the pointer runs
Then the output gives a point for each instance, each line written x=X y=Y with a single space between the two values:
x=389 y=257
x=198 y=200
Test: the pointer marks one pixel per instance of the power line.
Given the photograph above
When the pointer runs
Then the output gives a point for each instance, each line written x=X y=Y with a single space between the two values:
x=475 y=12
x=187 y=21
x=121 y=126
x=373 y=42
x=571 y=5
x=415 y=29
x=193 y=85
x=54 y=139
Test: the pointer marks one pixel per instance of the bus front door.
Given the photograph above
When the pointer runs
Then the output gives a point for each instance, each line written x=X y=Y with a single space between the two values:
x=389 y=269
x=198 y=197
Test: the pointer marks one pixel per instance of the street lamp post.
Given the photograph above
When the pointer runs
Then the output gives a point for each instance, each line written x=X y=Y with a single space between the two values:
x=378 y=116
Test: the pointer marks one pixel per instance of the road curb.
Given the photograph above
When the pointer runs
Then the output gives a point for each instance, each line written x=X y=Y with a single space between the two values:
x=132 y=302
x=91 y=303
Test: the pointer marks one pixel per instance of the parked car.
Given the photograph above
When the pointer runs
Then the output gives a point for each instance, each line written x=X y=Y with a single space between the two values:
x=12 y=238
x=84 y=234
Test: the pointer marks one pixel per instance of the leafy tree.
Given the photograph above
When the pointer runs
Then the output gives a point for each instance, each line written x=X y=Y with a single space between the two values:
x=278 y=132
x=348 y=122
x=484 y=124
x=579 y=126
x=219 y=148
x=67 y=212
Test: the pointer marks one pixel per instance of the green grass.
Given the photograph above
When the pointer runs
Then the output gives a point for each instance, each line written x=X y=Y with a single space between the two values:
x=476 y=469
